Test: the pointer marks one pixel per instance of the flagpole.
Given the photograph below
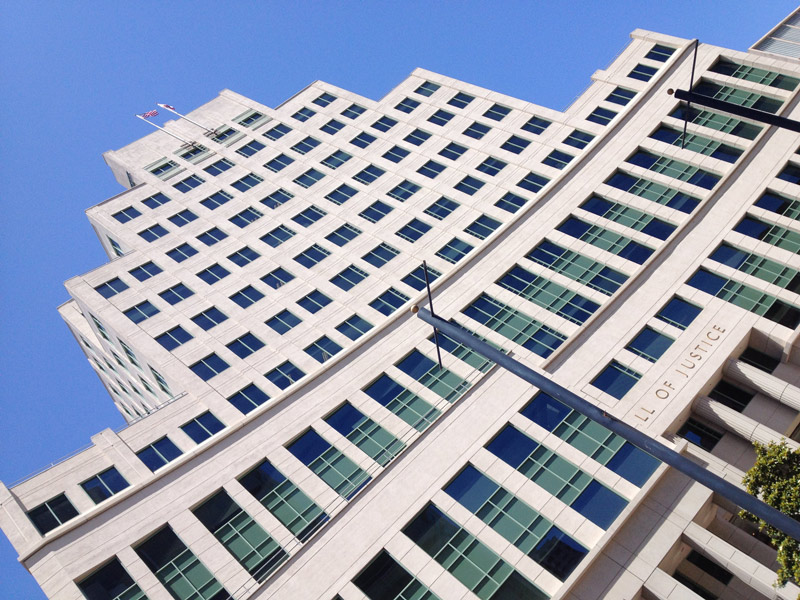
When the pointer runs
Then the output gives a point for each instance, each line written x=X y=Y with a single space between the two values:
x=177 y=137
x=172 y=110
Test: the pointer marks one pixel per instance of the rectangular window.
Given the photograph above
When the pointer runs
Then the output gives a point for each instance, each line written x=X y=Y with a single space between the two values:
x=309 y=178
x=516 y=522
x=323 y=349
x=245 y=345
x=541 y=291
x=343 y=234
x=248 y=398
x=775 y=235
x=491 y=166
x=416 y=279
x=189 y=183
x=314 y=301
x=482 y=227
x=208 y=367
x=601 y=115
x=336 y=160
x=151 y=234
x=404 y=190
x=277 y=236
x=181 y=253
x=375 y=441
x=407 y=105
x=246 y=540
x=468 y=559
x=401 y=402
x=655 y=192
x=298 y=513
x=536 y=125
x=279 y=163
x=209 y=318
x=780 y=205
x=329 y=464
x=307 y=144
x=460 y=100
x=363 y=139
x=384 y=124
x=606 y=240
x=202 y=427
x=178 y=569
x=158 y=454
x=628 y=217
x=141 y=312
x=515 y=325
x=111 y=581
x=642 y=72
x=533 y=182
x=304 y=114
x=104 y=485
x=515 y=144
x=384 y=577
x=341 y=194
x=454 y=250
x=126 y=214
x=277 y=278
x=660 y=53
x=427 y=88
x=578 y=139
x=243 y=257
x=51 y=514
x=441 y=117
x=649 y=344
x=213 y=274
x=173 y=338
x=498 y=112
x=182 y=218
x=753 y=264
x=224 y=135
x=353 y=111
x=380 y=255
x=469 y=185
x=577 y=267
x=247 y=182
x=155 y=200
x=396 y=154
x=453 y=151
x=754 y=74
x=349 y=277
x=389 y=301
x=354 y=327
x=557 y=476
x=557 y=159
x=476 y=130
x=277 y=132
x=718 y=122
x=324 y=99
x=746 y=297
x=176 y=293
x=417 y=137
x=675 y=169
x=616 y=379
x=413 y=230
x=620 y=96
x=375 y=211
x=736 y=96
x=312 y=255
x=441 y=208
x=250 y=148
x=442 y=382
x=145 y=271
x=283 y=322
x=216 y=200
x=309 y=216
x=700 y=434
x=111 y=287
x=511 y=202
x=218 y=167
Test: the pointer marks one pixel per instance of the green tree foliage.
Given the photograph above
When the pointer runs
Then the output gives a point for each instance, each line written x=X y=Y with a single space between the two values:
x=775 y=478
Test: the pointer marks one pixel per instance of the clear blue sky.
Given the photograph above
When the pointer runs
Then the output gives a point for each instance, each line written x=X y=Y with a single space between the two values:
x=72 y=74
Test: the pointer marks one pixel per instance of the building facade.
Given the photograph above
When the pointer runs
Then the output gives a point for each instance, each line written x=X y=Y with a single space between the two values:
x=289 y=432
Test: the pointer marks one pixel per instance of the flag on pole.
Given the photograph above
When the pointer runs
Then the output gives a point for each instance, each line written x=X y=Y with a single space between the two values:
x=167 y=106
x=150 y=113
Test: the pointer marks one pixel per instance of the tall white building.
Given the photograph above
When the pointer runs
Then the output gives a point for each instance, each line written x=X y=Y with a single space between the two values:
x=290 y=434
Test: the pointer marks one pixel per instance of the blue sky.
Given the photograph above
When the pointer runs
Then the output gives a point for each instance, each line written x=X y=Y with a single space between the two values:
x=72 y=75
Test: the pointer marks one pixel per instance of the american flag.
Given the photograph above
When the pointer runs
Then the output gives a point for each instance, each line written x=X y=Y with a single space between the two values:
x=167 y=106
x=150 y=113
